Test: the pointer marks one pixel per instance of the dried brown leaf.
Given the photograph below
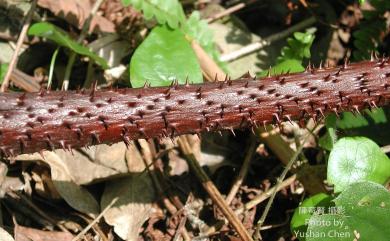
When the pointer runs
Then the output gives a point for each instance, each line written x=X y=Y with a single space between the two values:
x=90 y=165
x=133 y=207
x=76 y=12
x=30 y=234
x=136 y=194
x=75 y=195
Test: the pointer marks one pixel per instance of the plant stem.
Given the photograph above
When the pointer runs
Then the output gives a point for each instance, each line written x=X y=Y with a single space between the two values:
x=83 y=34
x=14 y=60
x=52 y=64
x=75 y=119
x=278 y=183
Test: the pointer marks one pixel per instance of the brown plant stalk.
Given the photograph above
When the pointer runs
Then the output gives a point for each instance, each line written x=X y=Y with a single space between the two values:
x=31 y=122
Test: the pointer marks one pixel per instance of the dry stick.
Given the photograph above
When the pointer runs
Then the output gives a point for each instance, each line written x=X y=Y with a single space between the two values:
x=226 y=12
x=171 y=206
x=210 y=70
x=22 y=35
x=236 y=185
x=97 y=230
x=267 y=41
x=265 y=195
x=24 y=81
x=254 y=202
x=39 y=211
x=272 y=139
x=213 y=191
x=95 y=220
x=278 y=182
x=83 y=34
x=242 y=174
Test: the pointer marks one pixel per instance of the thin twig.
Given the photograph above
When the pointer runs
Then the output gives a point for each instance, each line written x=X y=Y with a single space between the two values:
x=242 y=174
x=83 y=34
x=15 y=56
x=252 y=203
x=229 y=11
x=226 y=12
x=265 y=195
x=267 y=41
x=173 y=206
x=278 y=183
x=95 y=220
x=39 y=211
x=210 y=188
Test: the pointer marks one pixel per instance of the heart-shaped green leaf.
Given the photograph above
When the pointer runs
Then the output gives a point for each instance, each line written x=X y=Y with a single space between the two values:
x=355 y=159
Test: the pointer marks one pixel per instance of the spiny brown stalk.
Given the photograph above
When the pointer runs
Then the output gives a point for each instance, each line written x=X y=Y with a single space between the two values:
x=31 y=122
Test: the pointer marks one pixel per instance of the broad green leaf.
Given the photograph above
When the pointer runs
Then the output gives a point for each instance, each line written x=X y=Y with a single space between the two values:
x=60 y=37
x=165 y=11
x=164 y=56
x=356 y=159
x=3 y=71
x=307 y=208
x=362 y=212
x=199 y=30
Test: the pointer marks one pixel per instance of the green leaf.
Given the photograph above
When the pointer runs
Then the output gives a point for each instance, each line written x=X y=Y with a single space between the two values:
x=350 y=121
x=356 y=159
x=164 y=56
x=165 y=11
x=329 y=139
x=199 y=30
x=59 y=36
x=3 y=71
x=292 y=55
x=288 y=65
x=307 y=208
x=372 y=124
x=362 y=213
x=298 y=47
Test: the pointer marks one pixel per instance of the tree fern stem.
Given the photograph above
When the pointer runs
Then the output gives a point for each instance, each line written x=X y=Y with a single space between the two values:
x=31 y=122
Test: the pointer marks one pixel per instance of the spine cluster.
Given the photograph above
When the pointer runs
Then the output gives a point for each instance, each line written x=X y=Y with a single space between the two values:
x=31 y=122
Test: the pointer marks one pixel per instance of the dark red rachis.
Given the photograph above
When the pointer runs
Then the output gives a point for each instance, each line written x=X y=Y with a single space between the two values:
x=31 y=122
